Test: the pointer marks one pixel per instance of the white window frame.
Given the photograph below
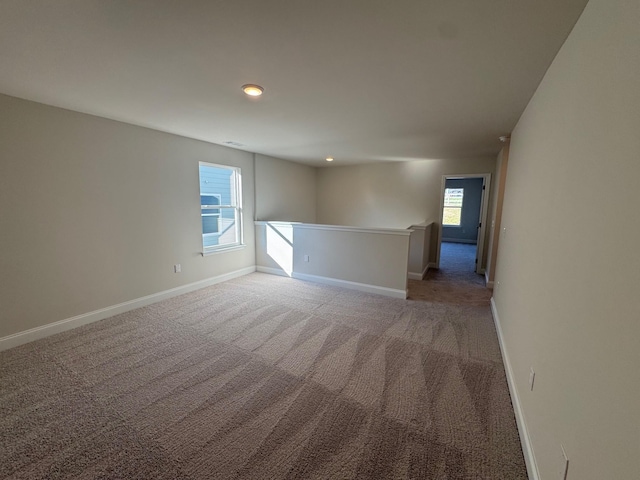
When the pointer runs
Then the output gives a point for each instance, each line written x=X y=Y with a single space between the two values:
x=445 y=206
x=219 y=214
x=236 y=205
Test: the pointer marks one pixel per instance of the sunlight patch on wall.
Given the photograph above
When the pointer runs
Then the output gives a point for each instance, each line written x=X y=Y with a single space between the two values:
x=280 y=245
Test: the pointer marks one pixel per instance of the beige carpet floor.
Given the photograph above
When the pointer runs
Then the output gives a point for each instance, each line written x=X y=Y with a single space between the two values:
x=264 y=377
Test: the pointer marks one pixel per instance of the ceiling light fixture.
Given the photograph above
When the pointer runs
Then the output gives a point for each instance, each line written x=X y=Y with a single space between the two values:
x=252 y=90
x=329 y=159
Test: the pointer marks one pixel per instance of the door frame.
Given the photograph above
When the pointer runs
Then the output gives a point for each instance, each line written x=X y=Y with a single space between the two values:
x=484 y=211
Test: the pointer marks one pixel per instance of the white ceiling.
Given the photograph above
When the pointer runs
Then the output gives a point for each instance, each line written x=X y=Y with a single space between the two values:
x=360 y=80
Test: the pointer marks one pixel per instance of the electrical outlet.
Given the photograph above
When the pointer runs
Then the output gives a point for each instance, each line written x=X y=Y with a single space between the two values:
x=564 y=468
x=532 y=378
x=177 y=268
x=306 y=258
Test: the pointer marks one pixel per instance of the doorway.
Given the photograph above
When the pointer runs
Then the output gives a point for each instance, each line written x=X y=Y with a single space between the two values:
x=463 y=219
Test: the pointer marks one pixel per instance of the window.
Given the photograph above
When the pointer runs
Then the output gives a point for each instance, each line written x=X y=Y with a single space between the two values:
x=210 y=213
x=452 y=211
x=220 y=207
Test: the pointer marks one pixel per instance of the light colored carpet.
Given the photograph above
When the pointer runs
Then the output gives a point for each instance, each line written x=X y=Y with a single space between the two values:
x=264 y=377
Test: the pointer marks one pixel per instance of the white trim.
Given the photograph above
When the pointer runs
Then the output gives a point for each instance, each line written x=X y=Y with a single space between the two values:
x=272 y=271
x=362 y=287
x=37 y=333
x=422 y=226
x=275 y=222
x=384 y=231
x=340 y=228
x=230 y=248
x=484 y=210
x=419 y=276
x=525 y=440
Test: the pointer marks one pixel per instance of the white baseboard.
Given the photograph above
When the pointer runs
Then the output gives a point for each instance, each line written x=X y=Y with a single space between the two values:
x=272 y=271
x=525 y=440
x=362 y=287
x=37 y=333
x=419 y=276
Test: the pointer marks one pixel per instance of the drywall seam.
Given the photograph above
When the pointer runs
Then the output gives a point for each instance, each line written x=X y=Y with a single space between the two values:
x=37 y=333
x=525 y=440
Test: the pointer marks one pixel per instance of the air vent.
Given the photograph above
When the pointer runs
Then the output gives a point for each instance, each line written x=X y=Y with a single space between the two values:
x=234 y=144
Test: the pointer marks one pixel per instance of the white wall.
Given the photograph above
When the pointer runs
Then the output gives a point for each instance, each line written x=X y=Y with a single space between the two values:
x=569 y=265
x=389 y=195
x=95 y=212
x=285 y=190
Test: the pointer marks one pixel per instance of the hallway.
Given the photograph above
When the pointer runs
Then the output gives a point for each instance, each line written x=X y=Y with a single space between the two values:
x=455 y=282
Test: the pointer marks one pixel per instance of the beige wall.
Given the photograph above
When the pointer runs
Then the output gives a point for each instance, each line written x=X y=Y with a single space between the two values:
x=285 y=190
x=389 y=195
x=364 y=257
x=95 y=212
x=568 y=265
x=376 y=260
x=419 y=250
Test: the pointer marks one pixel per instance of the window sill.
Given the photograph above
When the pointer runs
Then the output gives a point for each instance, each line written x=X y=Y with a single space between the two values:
x=214 y=251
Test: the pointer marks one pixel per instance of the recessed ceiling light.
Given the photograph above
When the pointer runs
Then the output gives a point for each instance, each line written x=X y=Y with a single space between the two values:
x=329 y=159
x=252 y=90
